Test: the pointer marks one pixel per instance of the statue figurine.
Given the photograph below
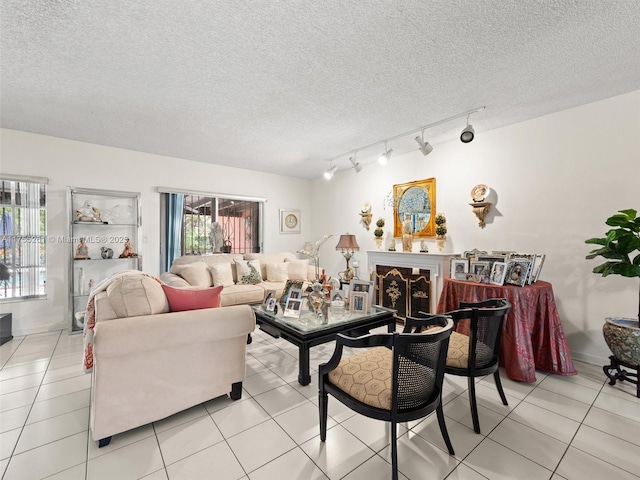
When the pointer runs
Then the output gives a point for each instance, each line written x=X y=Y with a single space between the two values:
x=88 y=213
x=407 y=234
x=216 y=237
x=128 y=250
x=82 y=251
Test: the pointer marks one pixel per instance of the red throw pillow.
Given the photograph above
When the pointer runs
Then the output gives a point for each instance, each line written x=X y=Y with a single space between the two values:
x=181 y=299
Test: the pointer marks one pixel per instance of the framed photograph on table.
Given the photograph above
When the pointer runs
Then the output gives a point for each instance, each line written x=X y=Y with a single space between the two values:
x=293 y=307
x=289 y=221
x=459 y=268
x=358 y=302
x=363 y=286
x=517 y=272
x=498 y=271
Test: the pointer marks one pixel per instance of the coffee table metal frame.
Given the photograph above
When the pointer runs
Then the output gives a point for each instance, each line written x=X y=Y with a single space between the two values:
x=304 y=340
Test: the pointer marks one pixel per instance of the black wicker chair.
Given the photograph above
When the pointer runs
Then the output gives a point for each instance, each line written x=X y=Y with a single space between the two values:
x=404 y=380
x=482 y=343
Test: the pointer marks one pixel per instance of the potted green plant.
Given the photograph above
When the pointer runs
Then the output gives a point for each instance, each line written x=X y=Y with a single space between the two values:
x=620 y=244
x=379 y=232
x=441 y=230
x=621 y=248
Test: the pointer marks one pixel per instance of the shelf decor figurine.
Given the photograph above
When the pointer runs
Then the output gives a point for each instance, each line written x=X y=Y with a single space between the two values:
x=441 y=230
x=128 y=250
x=379 y=232
x=82 y=251
x=88 y=213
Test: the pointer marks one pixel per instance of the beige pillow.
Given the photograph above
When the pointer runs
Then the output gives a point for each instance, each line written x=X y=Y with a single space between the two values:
x=222 y=275
x=196 y=273
x=298 y=269
x=277 y=272
x=135 y=295
x=248 y=272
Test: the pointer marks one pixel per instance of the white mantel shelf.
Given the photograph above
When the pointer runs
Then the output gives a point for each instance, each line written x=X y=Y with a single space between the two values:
x=436 y=263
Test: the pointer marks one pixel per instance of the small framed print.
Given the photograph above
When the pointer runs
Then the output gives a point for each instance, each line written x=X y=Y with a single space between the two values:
x=517 y=271
x=538 y=267
x=270 y=305
x=269 y=294
x=479 y=267
x=497 y=273
x=293 y=308
x=291 y=284
x=358 y=302
x=289 y=221
x=363 y=286
x=459 y=268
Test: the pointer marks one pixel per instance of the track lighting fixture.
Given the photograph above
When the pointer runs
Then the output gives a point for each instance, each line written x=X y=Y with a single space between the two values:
x=424 y=147
x=329 y=173
x=356 y=166
x=468 y=133
x=384 y=158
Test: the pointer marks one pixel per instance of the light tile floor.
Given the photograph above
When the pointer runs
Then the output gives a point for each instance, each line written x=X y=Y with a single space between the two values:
x=557 y=428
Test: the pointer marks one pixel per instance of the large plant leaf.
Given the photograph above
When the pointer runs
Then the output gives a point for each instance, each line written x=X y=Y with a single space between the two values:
x=596 y=241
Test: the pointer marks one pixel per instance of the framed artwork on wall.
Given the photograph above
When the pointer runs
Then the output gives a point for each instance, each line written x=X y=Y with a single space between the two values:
x=289 y=221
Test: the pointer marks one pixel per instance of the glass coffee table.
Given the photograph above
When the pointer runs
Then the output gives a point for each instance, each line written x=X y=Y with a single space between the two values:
x=309 y=330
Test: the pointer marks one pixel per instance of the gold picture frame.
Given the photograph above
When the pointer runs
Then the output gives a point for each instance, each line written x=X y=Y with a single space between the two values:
x=415 y=201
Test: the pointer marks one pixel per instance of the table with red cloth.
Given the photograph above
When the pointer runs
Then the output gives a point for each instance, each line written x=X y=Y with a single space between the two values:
x=532 y=335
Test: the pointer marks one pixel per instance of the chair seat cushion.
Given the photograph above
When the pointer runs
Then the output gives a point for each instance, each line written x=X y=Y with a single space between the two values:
x=366 y=376
x=458 y=353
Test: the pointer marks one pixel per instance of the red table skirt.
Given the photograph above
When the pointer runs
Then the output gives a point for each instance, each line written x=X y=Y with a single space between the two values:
x=532 y=335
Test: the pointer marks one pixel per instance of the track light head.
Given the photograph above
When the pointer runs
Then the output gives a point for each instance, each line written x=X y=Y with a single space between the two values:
x=424 y=147
x=384 y=158
x=329 y=173
x=356 y=166
x=468 y=133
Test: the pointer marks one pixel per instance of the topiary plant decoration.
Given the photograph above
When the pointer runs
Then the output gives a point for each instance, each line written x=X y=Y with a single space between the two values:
x=620 y=246
x=378 y=232
x=380 y=222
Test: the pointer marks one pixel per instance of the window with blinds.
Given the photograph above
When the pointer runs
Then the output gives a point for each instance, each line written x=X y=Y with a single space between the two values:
x=213 y=224
x=23 y=228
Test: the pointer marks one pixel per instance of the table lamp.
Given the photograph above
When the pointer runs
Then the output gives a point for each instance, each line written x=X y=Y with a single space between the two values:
x=347 y=245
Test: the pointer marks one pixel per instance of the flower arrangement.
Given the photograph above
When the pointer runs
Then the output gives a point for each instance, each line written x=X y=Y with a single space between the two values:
x=314 y=253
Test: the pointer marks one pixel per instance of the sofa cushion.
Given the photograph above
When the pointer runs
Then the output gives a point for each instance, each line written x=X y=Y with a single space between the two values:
x=242 y=294
x=298 y=269
x=248 y=272
x=134 y=295
x=192 y=298
x=222 y=274
x=196 y=273
x=277 y=272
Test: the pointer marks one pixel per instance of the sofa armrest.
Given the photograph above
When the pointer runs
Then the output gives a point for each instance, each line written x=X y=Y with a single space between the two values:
x=162 y=331
x=174 y=280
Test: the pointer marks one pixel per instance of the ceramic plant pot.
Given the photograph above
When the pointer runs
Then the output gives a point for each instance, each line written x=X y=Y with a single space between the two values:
x=623 y=339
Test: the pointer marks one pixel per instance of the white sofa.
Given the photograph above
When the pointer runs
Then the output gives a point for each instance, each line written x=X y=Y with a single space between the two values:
x=150 y=363
x=205 y=271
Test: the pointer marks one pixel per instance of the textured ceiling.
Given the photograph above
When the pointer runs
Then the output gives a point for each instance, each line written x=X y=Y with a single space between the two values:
x=284 y=86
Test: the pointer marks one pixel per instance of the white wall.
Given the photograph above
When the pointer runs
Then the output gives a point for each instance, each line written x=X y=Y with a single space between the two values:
x=69 y=163
x=555 y=179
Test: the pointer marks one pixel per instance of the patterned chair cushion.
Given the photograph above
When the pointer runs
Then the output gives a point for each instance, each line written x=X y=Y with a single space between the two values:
x=366 y=376
x=458 y=353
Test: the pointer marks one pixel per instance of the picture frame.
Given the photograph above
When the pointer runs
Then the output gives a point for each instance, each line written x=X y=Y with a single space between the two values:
x=357 y=285
x=416 y=200
x=517 y=272
x=472 y=254
x=293 y=307
x=526 y=256
x=287 y=287
x=498 y=271
x=289 y=220
x=492 y=258
x=358 y=302
x=477 y=267
x=271 y=305
x=459 y=268
x=538 y=267
x=268 y=295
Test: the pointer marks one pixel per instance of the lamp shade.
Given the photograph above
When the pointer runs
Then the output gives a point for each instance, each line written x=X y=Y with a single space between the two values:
x=347 y=243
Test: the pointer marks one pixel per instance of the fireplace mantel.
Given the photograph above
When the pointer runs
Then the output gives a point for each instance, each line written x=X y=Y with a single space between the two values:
x=436 y=263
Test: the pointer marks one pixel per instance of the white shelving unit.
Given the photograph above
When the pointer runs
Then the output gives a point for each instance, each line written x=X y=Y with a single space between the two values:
x=105 y=219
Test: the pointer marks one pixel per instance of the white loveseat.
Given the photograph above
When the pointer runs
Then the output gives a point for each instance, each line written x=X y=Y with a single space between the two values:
x=223 y=269
x=150 y=363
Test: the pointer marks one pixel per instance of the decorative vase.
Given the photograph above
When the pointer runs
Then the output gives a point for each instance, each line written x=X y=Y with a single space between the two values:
x=440 y=241
x=622 y=336
x=379 y=241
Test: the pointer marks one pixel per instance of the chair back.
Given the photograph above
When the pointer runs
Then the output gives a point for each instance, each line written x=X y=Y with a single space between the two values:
x=419 y=359
x=485 y=330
